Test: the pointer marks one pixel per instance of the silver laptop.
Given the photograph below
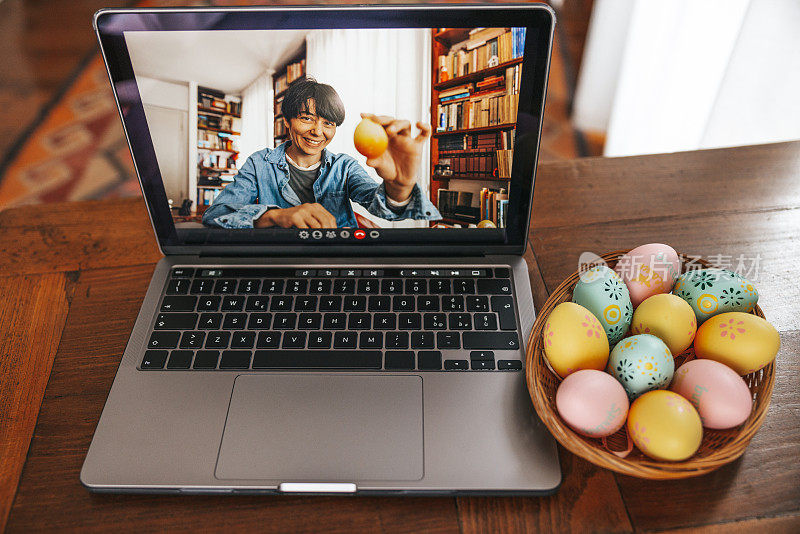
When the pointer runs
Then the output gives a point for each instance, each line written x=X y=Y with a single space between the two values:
x=342 y=197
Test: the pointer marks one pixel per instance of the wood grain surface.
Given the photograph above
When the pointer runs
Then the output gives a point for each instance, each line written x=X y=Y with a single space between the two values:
x=725 y=202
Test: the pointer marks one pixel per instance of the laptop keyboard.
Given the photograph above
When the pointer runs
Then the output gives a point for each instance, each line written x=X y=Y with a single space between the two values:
x=256 y=318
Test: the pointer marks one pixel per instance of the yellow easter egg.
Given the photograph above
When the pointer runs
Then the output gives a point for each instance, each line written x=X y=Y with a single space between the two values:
x=665 y=426
x=742 y=341
x=574 y=339
x=669 y=318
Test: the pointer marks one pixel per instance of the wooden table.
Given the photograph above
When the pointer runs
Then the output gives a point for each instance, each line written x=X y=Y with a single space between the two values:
x=74 y=275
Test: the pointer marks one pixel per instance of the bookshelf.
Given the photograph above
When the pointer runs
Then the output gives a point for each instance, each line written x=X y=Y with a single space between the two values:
x=474 y=96
x=218 y=125
x=294 y=69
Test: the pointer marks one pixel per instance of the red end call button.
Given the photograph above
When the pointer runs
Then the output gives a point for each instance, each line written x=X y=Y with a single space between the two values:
x=359 y=234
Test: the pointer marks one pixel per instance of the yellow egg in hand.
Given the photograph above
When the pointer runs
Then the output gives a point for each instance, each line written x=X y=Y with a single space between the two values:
x=486 y=224
x=370 y=138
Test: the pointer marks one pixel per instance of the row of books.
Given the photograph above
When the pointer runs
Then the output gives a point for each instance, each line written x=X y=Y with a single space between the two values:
x=486 y=47
x=475 y=164
x=477 y=141
x=493 y=205
x=293 y=71
x=477 y=113
x=207 y=101
x=504 y=158
x=213 y=160
x=206 y=196
x=215 y=141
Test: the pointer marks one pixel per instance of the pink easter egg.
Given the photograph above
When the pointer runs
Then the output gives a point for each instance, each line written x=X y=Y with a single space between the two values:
x=592 y=402
x=720 y=395
x=649 y=270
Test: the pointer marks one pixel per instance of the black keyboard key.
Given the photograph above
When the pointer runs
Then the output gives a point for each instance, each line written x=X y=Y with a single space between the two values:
x=448 y=340
x=344 y=286
x=460 y=321
x=328 y=273
x=180 y=359
x=154 y=359
x=380 y=303
x=453 y=303
x=359 y=321
x=409 y=321
x=193 y=340
x=491 y=340
x=259 y=321
x=371 y=340
x=202 y=286
x=334 y=321
x=509 y=365
x=208 y=303
x=355 y=273
x=504 y=306
x=178 y=304
x=385 y=321
x=163 y=340
x=320 y=286
x=396 y=340
x=225 y=286
x=310 y=321
x=296 y=287
x=281 y=303
x=176 y=321
x=317 y=359
x=210 y=321
x=391 y=286
x=232 y=303
x=330 y=304
x=234 y=321
x=427 y=303
x=206 y=359
x=285 y=321
x=355 y=304
x=477 y=303
x=399 y=359
x=416 y=286
x=485 y=321
x=368 y=286
x=268 y=340
x=403 y=303
x=294 y=340
x=305 y=304
x=243 y=340
x=319 y=340
x=481 y=355
x=490 y=286
x=235 y=359
x=456 y=365
x=257 y=303
x=434 y=321
x=178 y=286
x=272 y=287
x=345 y=340
x=502 y=272
x=182 y=272
x=429 y=360
x=463 y=286
x=440 y=286
x=482 y=365
x=249 y=286
x=218 y=340
x=422 y=340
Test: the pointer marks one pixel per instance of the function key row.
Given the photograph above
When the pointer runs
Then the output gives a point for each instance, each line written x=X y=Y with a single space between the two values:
x=281 y=272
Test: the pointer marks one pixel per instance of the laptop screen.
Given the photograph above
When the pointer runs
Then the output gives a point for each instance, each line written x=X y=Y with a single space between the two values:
x=334 y=136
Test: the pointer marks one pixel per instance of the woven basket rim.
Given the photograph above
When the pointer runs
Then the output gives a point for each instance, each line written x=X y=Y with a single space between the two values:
x=641 y=467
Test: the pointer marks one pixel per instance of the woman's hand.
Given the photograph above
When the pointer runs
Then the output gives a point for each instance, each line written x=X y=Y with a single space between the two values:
x=302 y=216
x=398 y=166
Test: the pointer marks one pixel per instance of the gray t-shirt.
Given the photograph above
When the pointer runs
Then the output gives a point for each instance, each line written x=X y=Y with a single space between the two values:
x=302 y=182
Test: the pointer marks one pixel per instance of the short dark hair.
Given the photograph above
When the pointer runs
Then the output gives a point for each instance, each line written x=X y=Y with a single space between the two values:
x=327 y=103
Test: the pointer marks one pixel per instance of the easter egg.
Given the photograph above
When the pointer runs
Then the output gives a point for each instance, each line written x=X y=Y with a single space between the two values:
x=574 y=339
x=742 y=341
x=648 y=270
x=641 y=363
x=370 y=138
x=592 y=403
x=667 y=317
x=713 y=291
x=601 y=291
x=665 y=426
x=720 y=396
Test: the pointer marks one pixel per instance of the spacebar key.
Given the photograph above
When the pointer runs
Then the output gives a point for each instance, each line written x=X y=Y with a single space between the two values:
x=491 y=340
x=320 y=359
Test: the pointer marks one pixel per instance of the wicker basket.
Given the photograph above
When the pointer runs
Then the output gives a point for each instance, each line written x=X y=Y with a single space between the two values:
x=718 y=447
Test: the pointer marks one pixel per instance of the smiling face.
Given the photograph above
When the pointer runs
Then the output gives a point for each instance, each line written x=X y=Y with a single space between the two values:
x=309 y=132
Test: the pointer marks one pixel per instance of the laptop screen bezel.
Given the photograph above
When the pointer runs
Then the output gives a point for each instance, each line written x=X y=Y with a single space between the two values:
x=111 y=24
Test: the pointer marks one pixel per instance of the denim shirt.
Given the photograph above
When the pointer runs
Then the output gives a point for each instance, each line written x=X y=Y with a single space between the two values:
x=263 y=183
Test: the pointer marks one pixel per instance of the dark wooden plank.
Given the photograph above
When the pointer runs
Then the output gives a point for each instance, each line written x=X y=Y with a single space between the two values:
x=51 y=497
x=789 y=524
x=31 y=322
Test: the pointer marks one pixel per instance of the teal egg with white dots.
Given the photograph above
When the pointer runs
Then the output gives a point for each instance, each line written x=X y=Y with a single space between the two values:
x=641 y=363
x=601 y=291
x=713 y=291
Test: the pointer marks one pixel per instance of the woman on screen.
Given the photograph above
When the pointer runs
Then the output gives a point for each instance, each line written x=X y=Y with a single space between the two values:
x=300 y=184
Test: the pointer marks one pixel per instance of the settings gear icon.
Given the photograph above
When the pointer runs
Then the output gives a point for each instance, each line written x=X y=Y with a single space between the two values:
x=303 y=234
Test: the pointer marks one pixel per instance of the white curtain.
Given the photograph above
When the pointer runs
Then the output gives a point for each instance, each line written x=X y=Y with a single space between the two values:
x=257 y=117
x=386 y=72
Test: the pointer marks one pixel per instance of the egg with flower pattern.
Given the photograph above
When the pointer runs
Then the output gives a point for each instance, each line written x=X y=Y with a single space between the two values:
x=665 y=426
x=601 y=291
x=742 y=341
x=713 y=291
x=648 y=270
x=574 y=339
x=641 y=363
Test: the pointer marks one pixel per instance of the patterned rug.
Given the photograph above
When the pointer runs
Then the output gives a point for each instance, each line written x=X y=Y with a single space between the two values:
x=78 y=150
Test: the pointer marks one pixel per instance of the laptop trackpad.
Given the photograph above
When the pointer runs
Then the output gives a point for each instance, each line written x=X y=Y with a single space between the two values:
x=290 y=427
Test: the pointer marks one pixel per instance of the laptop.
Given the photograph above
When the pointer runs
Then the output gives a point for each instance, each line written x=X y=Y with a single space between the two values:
x=342 y=197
